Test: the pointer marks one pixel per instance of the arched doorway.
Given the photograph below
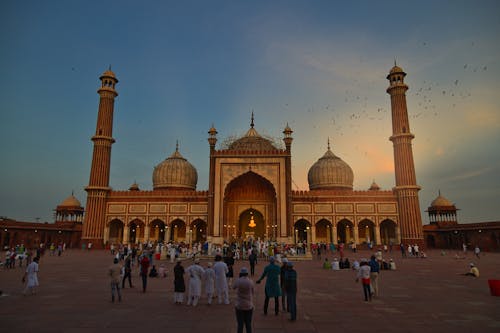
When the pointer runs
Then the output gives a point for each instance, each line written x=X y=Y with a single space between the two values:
x=157 y=231
x=251 y=225
x=116 y=231
x=302 y=228
x=323 y=231
x=345 y=231
x=199 y=230
x=136 y=231
x=246 y=195
x=388 y=232
x=366 y=231
x=178 y=231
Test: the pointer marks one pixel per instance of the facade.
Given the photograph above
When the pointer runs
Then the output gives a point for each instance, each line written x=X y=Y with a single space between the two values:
x=444 y=231
x=250 y=191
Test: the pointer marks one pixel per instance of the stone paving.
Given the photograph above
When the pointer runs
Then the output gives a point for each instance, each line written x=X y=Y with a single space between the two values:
x=423 y=294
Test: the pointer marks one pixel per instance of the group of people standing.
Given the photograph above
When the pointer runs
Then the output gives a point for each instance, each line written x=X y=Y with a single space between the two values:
x=216 y=279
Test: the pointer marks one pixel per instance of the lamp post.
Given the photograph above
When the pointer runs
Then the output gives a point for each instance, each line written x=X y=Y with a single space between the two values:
x=296 y=236
x=190 y=238
x=308 y=238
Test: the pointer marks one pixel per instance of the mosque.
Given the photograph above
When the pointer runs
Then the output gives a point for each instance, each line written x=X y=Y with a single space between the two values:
x=250 y=192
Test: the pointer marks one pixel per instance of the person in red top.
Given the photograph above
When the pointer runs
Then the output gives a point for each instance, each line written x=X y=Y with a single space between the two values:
x=144 y=270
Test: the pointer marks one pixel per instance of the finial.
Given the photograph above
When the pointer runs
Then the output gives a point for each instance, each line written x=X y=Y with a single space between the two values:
x=72 y=193
x=395 y=61
x=439 y=192
x=109 y=67
x=177 y=145
x=251 y=123
x=328 y=143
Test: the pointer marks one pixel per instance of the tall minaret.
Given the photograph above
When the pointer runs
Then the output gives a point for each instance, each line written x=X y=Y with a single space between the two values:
x=410 y=220
x=98 y=189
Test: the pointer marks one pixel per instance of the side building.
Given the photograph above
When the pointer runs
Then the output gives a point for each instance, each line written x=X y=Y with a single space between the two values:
x=444 y=231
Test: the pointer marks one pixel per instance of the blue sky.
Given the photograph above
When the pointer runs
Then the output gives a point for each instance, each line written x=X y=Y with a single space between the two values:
x=185 y=65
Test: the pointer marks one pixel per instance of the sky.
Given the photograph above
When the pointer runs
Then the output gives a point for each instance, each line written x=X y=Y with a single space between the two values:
x=319 y=66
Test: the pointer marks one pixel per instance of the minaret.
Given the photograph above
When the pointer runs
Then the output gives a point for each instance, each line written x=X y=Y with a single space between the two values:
x=212 y=141
x=287 y=132
x=406 y=190
x=98 y=189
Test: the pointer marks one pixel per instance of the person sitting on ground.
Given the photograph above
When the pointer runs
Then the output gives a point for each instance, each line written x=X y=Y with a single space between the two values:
x=153 y=272
x=347 y=264
x=327 y=264
x=385 y=265
x=335 y=264
x=474 y=271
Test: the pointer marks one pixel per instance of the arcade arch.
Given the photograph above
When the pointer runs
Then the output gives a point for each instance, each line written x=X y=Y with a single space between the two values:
x=178 y=231
x=388 y=232
x=157 y=230
x=302 y=229
x=116 y=228
x=324 y=231
x=345 y=230
x=366 y=231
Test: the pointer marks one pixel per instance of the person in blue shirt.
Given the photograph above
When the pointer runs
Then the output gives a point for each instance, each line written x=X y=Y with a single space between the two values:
x=272 y=274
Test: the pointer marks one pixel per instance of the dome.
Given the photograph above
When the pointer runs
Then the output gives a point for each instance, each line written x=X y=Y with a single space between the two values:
x=252 y=141
x=175 y=173
x=396 y=69
x=441 y=201
x=134 y=187
x=108 y=73
x=374 y=187
x=330 y=173
x=70 y=201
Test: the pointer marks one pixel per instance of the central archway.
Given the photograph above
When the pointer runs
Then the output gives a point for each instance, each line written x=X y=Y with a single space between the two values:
x=251 y=225
x=245 y=196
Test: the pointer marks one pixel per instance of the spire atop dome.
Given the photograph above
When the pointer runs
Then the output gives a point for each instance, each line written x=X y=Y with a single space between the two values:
x=251 y=123
x=328 y=143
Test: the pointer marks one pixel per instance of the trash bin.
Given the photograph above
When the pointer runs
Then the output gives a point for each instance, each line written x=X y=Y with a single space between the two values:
x=157 y=256
x=494 y=287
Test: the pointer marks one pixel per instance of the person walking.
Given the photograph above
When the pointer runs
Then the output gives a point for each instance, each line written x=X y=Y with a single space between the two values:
x=291 y=290
x=252 y=259
x=272 y=288
x=221 y=286
x=477 y=251
x=244 y=301
x=374 y=273
x=144 y=263
x=31 y=277
x=195 y=273
x=114 y=274
x=179 y=285
x=127 y=268
x=364 y=275
x=209 y=278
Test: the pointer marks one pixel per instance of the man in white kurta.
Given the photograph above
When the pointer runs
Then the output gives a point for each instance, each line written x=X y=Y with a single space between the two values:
x=209 y=282
x=221 y=287
x=31 y=276
x=195 y=273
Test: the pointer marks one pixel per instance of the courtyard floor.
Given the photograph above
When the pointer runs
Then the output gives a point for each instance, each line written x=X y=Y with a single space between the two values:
x=421 y=295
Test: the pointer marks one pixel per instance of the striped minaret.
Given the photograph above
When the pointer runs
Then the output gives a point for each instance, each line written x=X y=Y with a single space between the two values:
x=406 y=190
x=98 y=189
